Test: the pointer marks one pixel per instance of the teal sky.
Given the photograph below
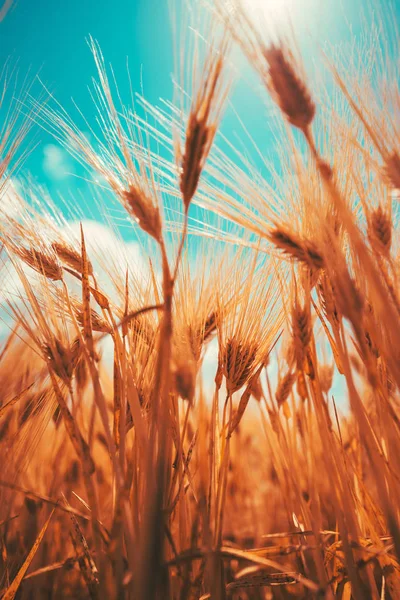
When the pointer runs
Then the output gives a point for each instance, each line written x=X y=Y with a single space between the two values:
x=49 y=38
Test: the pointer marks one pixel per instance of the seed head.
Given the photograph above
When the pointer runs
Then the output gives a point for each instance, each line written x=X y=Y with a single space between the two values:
x=284 y=387
x=349 y=298
x=100 y=298
x=198 y=137
x=62 y=359
x=380 y=231
x=301 y=326
x=144 y=211
x=41 y=262
x=288 y=90
x=205 y=111
x=185 y=379
x=327 y=298
x=70 y=257
x=304 y=251
x=238 y=363
x=392 y=170
x=98 y=323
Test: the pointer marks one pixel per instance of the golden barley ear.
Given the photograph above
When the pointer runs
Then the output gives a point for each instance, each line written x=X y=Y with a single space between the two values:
x=284 y=388
x=380 y=231
x=291 y=244
x=45 y=264
x=61 y=359
x=144 y=211
x=210 y=326
x=392 y=170
x=70 y=257
x=326 y=297
x=197 y=136
x=100 y=298
x=205 y=113
x=238 y=363
x=287 y=88
x=97 y=323
x=302 y=331
x=185 y=380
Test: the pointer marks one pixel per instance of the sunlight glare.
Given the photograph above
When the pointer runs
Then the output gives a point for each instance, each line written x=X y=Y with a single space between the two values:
x=280 y=15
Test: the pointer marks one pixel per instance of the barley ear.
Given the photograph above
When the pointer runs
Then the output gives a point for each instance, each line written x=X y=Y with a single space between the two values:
x=287 y=88
x=146 y=214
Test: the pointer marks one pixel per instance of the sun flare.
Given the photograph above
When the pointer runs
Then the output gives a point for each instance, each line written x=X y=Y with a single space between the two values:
x=279 y=15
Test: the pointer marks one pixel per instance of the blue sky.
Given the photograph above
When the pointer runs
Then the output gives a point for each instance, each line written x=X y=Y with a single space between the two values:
x=49 y=38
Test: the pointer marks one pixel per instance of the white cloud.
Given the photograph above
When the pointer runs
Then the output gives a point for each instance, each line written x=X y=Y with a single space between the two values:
x=57 y=163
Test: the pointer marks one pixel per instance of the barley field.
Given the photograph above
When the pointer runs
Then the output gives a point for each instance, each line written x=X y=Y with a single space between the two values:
x=212 y=413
